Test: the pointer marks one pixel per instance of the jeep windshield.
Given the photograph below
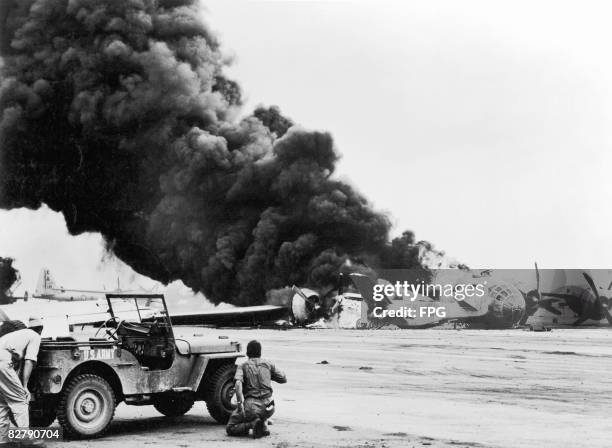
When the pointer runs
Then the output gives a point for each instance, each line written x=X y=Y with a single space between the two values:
x=137 y=307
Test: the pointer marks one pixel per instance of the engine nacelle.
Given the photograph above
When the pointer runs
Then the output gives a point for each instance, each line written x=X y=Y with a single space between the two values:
x=305 y=306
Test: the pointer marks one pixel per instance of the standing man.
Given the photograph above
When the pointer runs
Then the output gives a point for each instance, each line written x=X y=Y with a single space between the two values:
x=18 y=356
x=254 y=394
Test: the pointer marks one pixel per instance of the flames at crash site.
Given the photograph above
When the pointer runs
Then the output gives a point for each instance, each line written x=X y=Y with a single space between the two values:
x=119 y=115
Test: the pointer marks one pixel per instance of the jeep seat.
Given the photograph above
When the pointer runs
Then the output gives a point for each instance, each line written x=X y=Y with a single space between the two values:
x=133 y=329
x=141 y=329
x=148 y=342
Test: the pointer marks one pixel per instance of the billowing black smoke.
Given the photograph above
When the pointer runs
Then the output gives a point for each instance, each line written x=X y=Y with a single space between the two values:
x=118 y=114
x=8 y=276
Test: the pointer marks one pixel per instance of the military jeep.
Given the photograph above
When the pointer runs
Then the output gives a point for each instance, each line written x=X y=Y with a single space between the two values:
x=140 y=360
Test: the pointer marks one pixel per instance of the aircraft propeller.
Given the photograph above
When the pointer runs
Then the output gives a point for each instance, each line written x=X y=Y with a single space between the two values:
x=533 y=298
x=539 y=294
x=603 y=302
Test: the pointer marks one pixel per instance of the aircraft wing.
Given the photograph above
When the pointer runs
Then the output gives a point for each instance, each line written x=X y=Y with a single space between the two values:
x=239 y=316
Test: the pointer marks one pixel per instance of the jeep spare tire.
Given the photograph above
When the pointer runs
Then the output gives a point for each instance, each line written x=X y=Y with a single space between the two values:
x=172 y=405
x=86 y=406
x=219 y=392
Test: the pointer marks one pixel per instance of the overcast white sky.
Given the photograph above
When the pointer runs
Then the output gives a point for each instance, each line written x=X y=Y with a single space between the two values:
x=483 y=126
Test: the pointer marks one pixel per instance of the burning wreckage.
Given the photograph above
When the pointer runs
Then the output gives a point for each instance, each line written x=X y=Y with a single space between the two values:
x=498 y=299
x=294 y=306
x=121 y=117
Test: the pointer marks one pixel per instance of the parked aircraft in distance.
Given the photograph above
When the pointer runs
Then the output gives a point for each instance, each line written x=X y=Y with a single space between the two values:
x=46 y=288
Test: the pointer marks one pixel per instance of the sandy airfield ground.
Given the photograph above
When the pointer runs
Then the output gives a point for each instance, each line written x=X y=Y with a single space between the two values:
x=436 y=388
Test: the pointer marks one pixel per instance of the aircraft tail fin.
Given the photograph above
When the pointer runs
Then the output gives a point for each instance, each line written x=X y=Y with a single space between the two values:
x=365 y=285
x=46 y=284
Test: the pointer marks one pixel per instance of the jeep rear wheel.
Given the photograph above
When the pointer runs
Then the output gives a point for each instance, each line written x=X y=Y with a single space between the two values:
x=220 y=389
x=86 y=406
x=172 y=405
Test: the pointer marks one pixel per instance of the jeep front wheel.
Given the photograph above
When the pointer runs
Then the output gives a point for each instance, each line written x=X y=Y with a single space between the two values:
x=172 y=405
x=220 y=389
x=86 y=406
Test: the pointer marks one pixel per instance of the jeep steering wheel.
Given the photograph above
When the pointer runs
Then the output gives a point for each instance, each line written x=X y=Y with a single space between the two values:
x=109 y=332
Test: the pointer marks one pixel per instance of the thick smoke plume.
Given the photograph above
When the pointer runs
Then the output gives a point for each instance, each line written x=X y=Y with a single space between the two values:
x=8 y=276
x=118 y=114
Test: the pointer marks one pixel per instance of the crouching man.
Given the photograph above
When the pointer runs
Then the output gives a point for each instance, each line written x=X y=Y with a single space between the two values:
x=254 y=394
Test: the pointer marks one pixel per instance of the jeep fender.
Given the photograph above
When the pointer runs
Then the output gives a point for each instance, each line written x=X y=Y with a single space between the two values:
x=204 y=366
